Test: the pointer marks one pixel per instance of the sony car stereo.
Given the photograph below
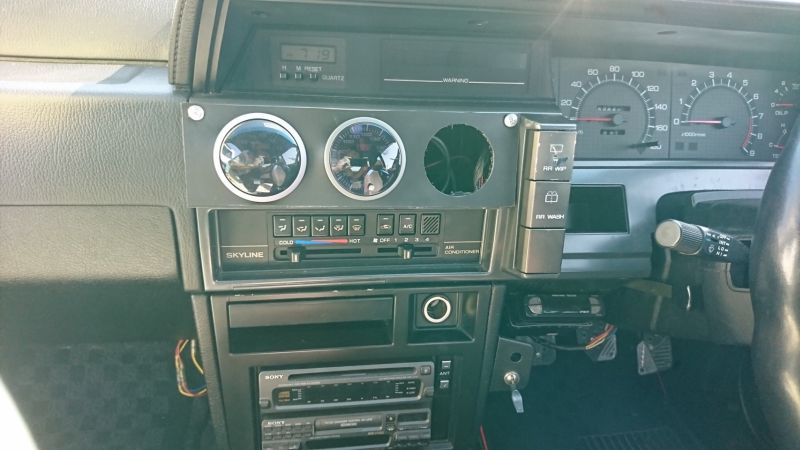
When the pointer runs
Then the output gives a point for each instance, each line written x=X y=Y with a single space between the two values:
x=376 y=406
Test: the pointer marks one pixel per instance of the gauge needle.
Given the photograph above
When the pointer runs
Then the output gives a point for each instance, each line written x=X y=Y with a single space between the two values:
x=594 y=119
x=785 y=105
x=616 y=119
x=724 y=122
x=645 y=144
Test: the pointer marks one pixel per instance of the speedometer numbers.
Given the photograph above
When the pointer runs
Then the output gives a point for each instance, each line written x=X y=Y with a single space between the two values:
x=620 y=112
x=719 y=118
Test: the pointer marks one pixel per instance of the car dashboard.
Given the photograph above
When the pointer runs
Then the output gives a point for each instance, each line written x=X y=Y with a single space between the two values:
x=367 y=191
x=449 y=124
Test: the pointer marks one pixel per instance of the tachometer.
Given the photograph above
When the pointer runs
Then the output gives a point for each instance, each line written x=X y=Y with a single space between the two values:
x=718 y=120
x=784 y=109
x=616 y=113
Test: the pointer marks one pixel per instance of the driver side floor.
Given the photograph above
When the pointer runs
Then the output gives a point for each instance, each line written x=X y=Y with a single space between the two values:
x=581 y=405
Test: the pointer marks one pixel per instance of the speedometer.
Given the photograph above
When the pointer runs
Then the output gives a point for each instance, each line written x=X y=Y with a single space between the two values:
x=629 y=120
x=620 y=112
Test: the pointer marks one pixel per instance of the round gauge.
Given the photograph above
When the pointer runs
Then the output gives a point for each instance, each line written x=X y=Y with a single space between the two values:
x=259 y=157
x=784 y=109
x=364 y=158
x=719 y=111
x=614 y=112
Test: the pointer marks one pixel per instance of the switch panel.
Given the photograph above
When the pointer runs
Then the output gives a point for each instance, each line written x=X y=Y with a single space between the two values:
x=549 y=151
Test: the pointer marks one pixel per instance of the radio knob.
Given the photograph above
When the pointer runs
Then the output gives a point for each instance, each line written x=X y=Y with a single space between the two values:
x=437 y=309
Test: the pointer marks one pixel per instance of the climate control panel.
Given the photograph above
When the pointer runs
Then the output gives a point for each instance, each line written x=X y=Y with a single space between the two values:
x=252 y=241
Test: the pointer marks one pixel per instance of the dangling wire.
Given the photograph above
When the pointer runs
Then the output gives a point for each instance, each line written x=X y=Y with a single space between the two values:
x=601 y=338
x=194 y=358
x=594 y=342
x=484 y=443
x=183 y=386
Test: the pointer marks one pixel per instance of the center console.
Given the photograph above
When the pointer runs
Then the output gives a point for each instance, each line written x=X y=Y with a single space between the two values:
x=361 y=199
x=353 y=368
x=351 y=258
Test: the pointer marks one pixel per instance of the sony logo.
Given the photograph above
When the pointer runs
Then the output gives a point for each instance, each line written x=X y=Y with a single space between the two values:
x=273 y=376
x=243 y=255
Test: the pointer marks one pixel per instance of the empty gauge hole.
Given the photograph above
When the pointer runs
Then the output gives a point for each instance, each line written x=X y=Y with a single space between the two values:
x=458 y=160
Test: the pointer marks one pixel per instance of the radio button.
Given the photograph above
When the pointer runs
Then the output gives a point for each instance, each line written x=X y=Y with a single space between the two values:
x=282 y=226
x=355 y=225
x=408 y=224
x=338 y=225
x=444 y=385
x=385 y=224
x=298 y=76
x=301 y=226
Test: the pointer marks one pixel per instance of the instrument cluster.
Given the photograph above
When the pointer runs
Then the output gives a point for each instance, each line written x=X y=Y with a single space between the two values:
x=652 y=110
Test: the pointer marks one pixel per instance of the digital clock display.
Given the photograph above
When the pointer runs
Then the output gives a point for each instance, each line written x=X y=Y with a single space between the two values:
x=308 y=53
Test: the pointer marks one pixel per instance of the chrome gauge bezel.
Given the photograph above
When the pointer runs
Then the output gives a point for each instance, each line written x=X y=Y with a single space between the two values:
x=329 y=147
x=277 y=121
